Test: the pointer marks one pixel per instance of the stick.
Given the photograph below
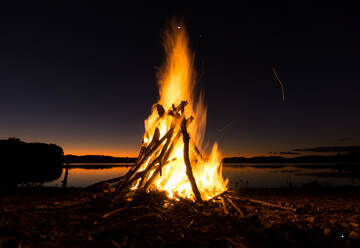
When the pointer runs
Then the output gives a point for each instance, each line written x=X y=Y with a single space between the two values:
x=174 y=112
x=113 y=212
x=158 y=169
x=147 y=154
x=189 y=171
x=160 y=109
x=145 y=149
x=163 y=162
x=196 y=151
x=164 y=152
x=266 y=204
x=236 y=208
x=159 y=160
x=141 y=153
x=166 y=156
x=116 y=244
x=224 y=205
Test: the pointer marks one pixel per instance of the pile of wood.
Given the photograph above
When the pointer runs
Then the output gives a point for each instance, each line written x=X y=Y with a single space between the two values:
x=159 y=151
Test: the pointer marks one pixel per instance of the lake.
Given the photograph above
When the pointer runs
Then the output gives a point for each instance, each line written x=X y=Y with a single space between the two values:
x=240 y=175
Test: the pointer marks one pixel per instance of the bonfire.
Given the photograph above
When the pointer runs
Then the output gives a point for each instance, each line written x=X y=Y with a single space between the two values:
x=170 y=157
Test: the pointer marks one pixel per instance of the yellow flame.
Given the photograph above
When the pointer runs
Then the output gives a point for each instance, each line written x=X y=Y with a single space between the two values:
x=176 y=81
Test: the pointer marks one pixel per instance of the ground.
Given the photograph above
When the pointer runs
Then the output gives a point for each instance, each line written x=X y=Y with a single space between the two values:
x=50 y=217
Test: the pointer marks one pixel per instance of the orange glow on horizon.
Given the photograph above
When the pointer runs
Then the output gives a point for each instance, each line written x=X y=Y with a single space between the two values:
x=114 y=151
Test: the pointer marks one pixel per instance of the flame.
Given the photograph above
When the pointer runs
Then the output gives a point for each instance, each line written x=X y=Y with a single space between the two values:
x=176 y=80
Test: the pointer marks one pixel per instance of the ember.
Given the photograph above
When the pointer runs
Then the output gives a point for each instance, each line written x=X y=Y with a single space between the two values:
x=169 y=159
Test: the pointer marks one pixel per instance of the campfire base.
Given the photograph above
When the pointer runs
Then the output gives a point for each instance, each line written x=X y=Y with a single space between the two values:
x=75 y=218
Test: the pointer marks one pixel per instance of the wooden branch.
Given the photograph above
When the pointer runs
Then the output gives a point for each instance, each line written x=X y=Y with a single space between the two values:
x=224 y=205
x=155 y=138
x=166 y=156
x=234 y=206
x=181 y=106
x=189 y=171
x=125 y=184
x=162 y=163
x=146 y=172
x=219 y=195
x=177 y=111
x=165 y=153
x=160 y=109
x=116 y=244
x=196 y=151
x=158 y=160
x=141 y=153
x=266 y=203
x=113 y=212
x=144 y=149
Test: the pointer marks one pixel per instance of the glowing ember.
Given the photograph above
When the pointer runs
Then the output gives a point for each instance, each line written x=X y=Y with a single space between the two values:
x=169 y=160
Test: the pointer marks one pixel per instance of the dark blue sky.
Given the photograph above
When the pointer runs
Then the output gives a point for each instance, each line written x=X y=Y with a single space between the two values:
x=83 y=75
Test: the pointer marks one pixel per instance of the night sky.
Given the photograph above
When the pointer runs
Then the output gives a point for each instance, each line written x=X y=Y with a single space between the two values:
x=83 y=76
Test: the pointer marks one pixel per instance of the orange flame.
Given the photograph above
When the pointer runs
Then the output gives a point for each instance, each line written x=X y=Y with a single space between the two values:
x=176 y=81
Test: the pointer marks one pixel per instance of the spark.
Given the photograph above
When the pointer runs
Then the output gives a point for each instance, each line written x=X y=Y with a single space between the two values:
x=281 y=84
x=178 y=27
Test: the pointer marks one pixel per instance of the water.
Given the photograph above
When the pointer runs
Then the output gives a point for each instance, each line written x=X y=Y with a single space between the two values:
x=240 y=175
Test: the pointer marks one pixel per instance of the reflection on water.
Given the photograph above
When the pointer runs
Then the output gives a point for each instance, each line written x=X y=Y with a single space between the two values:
x=80 y=177
x=29 y=174
x=241 y=175
x=286 y=176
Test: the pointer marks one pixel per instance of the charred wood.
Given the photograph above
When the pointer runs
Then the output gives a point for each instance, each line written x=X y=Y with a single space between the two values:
x=189 y=172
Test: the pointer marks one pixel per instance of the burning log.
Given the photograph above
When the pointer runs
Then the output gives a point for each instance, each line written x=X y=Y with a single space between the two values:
x=164 y=162
x=160 y=109
x=189 y=172
x=159 y=160
x=179 y=110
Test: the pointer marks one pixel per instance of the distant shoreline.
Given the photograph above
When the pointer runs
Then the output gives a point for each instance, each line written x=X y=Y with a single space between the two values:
x=346 y=158
x=312 y=165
